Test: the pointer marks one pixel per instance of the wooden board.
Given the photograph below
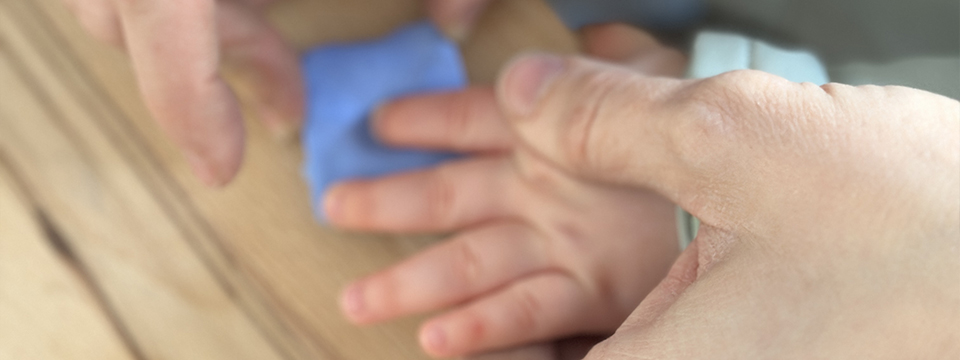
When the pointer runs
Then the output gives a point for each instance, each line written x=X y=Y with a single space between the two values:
x=46 y=298
x=109 y=249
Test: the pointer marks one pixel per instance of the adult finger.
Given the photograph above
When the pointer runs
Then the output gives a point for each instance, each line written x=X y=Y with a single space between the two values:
x=443 y=198
x=456 y=17
x=249 y=41
x=470 y=264
x=532 y=309
x=465 y=121
x=175 y=53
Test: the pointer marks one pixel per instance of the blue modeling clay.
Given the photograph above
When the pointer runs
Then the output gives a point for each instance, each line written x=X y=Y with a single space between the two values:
x=346 y=82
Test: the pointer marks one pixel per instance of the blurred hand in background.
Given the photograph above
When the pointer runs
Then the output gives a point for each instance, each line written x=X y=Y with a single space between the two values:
x=177 y=48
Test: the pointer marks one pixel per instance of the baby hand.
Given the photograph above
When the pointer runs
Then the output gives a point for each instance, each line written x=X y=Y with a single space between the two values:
x=538 y=254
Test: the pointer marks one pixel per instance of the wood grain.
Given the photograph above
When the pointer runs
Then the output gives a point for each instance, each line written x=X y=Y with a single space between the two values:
x=151 y=264
x=46 y=298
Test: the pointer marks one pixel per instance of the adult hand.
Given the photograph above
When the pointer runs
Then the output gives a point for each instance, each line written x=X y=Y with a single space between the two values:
x=831 y=220
x=176 y=48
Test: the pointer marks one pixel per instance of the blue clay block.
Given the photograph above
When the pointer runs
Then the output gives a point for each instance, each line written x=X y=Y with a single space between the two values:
x=346 y=82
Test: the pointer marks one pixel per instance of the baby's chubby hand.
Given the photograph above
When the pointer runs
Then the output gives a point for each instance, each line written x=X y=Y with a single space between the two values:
x=538 y=254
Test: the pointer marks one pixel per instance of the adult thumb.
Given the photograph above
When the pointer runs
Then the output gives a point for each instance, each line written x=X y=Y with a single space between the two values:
x=607 y=122
x=740 y=137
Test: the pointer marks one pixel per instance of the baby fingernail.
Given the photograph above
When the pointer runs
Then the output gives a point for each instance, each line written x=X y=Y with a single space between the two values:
x=353 y=302
x=433 y=339
x=527 y=79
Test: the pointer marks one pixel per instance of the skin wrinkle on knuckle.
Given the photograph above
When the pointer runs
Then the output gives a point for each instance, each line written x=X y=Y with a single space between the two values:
x=774 y=114
x=528 y=308
x=441 y=197
x=718 y=115
x=701 y=123
x=578 y=137
x=774 y=103
x=469 y=265
x=835 y=90
x=721 y=97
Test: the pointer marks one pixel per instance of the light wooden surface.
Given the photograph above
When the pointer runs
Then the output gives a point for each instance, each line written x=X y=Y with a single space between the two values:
x=109 y=249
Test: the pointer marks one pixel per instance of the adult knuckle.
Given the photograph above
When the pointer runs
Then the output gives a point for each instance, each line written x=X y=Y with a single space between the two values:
x=718 y=109
x=836 y=89
x=724 y=95
x=707 y=117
